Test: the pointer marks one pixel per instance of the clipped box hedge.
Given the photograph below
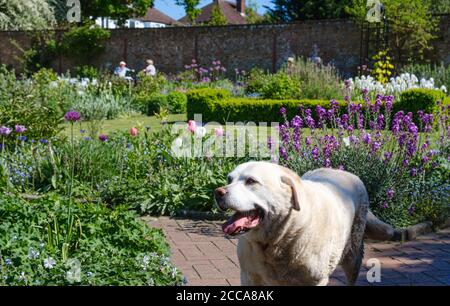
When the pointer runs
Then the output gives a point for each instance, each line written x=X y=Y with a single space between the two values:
x=218 y=105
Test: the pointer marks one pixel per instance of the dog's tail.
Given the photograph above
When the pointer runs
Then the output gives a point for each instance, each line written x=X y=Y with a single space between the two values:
x=378 y=230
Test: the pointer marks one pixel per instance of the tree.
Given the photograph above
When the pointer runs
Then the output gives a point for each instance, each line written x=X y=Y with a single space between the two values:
x=440 y=6
x=26 y=15
x=217 y=18
x=411 y=26
x=119 y=10
x=296 y=10
x=190 y=8
x=251 y=13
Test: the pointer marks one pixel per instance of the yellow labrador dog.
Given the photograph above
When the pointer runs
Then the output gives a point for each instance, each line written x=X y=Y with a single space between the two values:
x=295 y=231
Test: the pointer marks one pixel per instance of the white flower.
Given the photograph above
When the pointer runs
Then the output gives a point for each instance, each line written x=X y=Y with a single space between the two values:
x=33 y=254
x=346 y=141
x=200 y=132
x=49 y=263
x=178 y=143
x=444 y=89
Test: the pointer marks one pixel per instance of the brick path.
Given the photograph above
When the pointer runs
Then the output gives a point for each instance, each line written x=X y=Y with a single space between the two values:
x=206 y=257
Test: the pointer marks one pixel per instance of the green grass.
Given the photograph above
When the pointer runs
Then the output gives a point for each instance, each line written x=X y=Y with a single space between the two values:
x=124 y=124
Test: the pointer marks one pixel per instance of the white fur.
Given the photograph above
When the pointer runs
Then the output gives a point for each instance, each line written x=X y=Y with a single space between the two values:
x=299 y=247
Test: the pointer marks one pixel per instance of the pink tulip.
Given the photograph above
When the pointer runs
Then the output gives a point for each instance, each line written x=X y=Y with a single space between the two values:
x=192 y=126
x=133 y=132
x=218 y=131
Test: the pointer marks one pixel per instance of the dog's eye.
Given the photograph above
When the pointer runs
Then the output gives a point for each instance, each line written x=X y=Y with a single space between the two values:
x=229 y=179
x=250 y=181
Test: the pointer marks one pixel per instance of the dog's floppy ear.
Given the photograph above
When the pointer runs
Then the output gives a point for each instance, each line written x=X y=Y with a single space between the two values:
x=294 y=184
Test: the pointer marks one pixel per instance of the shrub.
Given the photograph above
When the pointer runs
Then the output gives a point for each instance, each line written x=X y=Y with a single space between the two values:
x=84 y=42
x=201 y=100
x=152 y=103
x=316 y=81
x=43 y=241
x=273 y=86
x=415 y=100
x=177 y=102
x=34 y=103
x=87 y=72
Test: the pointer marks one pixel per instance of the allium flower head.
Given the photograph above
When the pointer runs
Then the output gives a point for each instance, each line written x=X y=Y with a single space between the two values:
x=103 y=138
x=20 y=129
x=5 y=131
x=72 y=116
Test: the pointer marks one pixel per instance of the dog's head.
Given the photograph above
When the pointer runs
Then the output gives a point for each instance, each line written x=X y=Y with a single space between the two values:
x=260 y=193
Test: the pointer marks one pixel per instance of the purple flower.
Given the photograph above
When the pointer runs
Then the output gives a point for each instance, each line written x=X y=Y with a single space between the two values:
x=283 y=153
x=388 y=100
x=283 y=111
x=387 y=156
x=72 y=116
x=406 y=162
x=341 y=167
x=385 y=205
x=390 y=194
x=103 y=138
x=22 y=138
x=310 y=122
x=5 y=131
x=308 y=141
x=20 y=129
x=327 y=163
x=44 y=141
x=413 y=172
x=375 y=146
x=367 y=139
x=411 y=210
x=297 y=122
x=380 y=122
x=347 y=83
x=315 y=153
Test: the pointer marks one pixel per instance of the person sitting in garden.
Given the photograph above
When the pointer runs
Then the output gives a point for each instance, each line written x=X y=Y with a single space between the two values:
x=150 y=70
x=123 y=71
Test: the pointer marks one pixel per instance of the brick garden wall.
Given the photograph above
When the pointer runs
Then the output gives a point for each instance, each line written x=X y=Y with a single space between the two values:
x=244 y=47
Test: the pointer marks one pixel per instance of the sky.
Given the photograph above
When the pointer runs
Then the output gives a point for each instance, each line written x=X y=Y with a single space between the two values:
x=168 y=7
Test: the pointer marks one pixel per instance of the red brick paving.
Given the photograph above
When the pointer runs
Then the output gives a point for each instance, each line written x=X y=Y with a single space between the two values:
x=207 y=258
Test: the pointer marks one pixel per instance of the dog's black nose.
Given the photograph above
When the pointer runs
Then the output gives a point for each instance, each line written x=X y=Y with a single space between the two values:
x=220 y=192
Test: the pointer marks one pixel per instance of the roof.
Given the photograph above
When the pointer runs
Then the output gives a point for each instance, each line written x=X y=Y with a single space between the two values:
x=228 y=9
x=155 y=15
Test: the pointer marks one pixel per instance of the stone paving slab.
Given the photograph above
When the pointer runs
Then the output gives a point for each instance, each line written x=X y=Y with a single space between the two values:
x=207 y=258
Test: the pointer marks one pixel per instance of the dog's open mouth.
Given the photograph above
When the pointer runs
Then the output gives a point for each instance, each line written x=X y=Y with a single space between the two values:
x=242 y=222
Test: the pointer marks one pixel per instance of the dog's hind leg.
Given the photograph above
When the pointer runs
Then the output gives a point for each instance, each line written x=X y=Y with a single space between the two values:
x=351 y=262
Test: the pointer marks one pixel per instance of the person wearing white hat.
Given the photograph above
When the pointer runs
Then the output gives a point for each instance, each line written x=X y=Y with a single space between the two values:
x=122 y=70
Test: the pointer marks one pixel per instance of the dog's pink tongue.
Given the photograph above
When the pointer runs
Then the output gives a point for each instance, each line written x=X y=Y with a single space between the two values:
x=237 y=222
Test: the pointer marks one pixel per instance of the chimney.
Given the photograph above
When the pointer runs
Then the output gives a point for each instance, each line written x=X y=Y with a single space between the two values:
x=240 y=6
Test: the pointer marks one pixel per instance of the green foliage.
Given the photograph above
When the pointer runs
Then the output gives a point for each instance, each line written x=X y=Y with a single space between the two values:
x=35 y=104
x=177 y=102
x=190 y=8
x=217 y=18
x=298 y=10
x=34 y=236
x=87 y=72
x=316 y=81
x=382 y=68
x=84 y=43
x=225 y=109
x=273 y=86
x=117 y=10
x=26 y=15
x=411 y=26
x=414 y=100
